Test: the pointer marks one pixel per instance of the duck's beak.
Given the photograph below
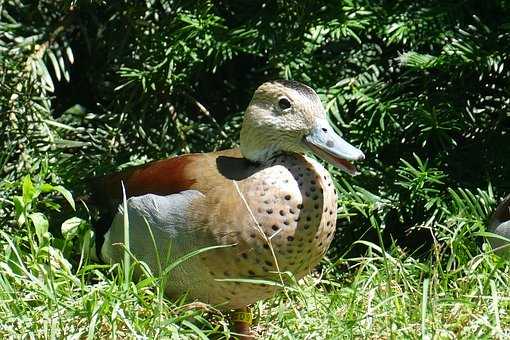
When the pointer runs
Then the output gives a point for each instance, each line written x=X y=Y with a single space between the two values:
x=326 y=144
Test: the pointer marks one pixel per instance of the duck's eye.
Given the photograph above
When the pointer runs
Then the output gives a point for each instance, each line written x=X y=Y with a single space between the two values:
x=284 y=104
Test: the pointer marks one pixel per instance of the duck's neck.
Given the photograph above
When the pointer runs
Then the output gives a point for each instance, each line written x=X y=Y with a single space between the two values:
x=255 y=146
x=258 y=152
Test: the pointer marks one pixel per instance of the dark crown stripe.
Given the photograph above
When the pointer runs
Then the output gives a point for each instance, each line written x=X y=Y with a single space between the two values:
x=299 y=87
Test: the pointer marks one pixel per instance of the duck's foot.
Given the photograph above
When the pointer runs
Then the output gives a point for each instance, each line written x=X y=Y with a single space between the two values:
x=241 y=323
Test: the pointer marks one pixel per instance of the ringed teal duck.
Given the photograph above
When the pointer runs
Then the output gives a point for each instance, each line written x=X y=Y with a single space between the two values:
x=271 y=206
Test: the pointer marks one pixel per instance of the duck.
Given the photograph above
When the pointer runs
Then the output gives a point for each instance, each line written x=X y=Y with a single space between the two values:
x=256 y=211
x=499 y=224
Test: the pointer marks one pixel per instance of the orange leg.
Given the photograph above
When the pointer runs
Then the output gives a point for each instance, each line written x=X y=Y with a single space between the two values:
x=241 y=322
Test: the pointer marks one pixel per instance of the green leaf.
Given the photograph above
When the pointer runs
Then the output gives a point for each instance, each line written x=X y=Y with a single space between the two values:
x=67 y=195
x=258 y=282
x=46 y=187
x=189 y=255
x=69 y=53
x=28 y=190
x=45 y=76
x=70 y=227
x=41 y=225
x=19 y=207
x=54 y=62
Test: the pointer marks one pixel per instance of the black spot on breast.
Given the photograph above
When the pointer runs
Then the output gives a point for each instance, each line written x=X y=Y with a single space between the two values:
x=290 y=238
x=274 y=227
x=287 y=197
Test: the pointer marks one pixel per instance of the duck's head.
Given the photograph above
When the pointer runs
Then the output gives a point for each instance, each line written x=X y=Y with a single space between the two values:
x=287 y=116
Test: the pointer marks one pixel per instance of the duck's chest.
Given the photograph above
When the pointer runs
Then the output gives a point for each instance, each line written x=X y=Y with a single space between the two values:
x=293 y=201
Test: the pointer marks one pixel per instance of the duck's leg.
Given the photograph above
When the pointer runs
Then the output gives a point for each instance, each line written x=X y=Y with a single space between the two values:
x=241 y=323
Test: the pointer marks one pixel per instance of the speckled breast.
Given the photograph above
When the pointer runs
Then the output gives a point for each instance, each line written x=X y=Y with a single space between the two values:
x=286 y=221
x=282 y=218
x=294 y=203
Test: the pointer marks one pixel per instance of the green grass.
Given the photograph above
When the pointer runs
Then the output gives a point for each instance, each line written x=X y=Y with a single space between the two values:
x=49 y=290
x=367 y=297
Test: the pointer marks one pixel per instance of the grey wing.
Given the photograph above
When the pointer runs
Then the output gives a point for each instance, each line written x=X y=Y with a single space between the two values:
x=500 y=225
x=159 y=229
